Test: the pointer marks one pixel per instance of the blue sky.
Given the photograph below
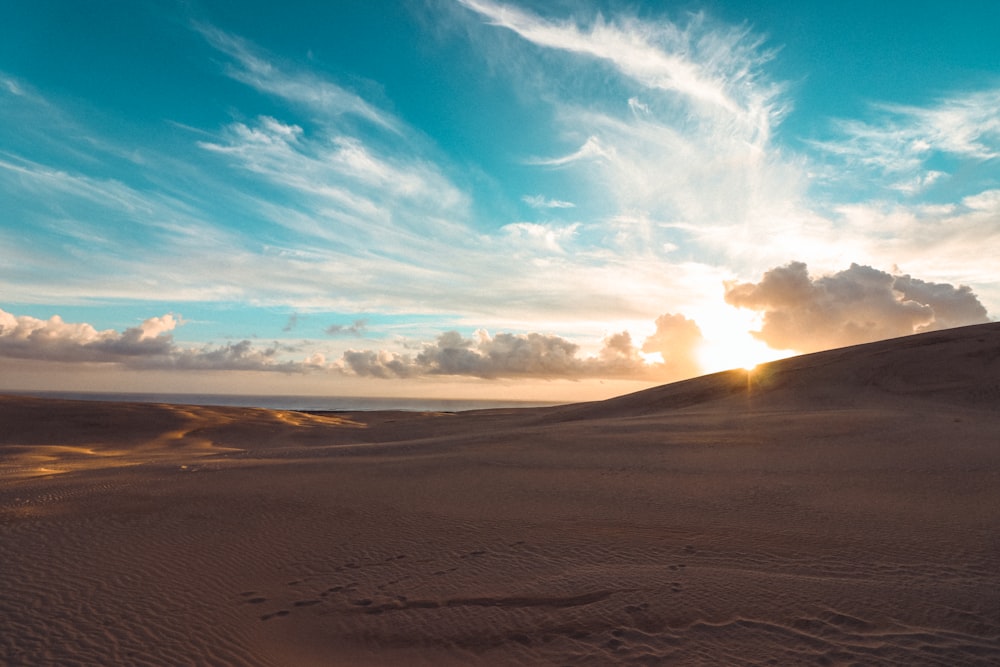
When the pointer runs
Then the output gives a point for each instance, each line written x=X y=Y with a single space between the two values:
x=551 y=200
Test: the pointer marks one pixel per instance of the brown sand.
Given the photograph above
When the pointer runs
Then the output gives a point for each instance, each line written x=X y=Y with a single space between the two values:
x=839 y=508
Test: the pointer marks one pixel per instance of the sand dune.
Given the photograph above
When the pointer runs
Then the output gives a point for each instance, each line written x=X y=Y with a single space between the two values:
x=833 y=509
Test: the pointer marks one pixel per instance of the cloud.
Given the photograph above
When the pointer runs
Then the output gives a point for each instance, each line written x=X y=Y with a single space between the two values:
x=547 y=237
x=543 y=356
x=902 y=139
x=539 y=201
x=857 y=305
x=340 y=176
x=12 y=85
x=637 y=106
x=147 y=346
x=677 y=340
x=503 y=355
x=352 y=185
x=658 y=56
x=667 y=121
x=150 y=346
x=293 y=321
x=252 y=67
x=56 y=340
x=355 y=329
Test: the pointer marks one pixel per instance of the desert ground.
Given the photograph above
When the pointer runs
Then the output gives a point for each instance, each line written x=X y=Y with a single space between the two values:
x=840 y=508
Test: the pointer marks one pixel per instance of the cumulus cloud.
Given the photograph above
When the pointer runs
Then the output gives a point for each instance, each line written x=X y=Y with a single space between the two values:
x=149 y=345
x=503 y=355
x=56 y=340
x=676 y=340
x=536 y=355
x=857 y=305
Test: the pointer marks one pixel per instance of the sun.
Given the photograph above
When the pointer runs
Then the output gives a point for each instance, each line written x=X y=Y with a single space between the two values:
x=738 y=350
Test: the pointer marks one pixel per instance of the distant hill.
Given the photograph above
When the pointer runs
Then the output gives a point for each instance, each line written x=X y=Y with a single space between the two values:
x=960 y=366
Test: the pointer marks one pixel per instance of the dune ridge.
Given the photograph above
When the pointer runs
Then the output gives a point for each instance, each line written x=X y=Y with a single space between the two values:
x=837 y=508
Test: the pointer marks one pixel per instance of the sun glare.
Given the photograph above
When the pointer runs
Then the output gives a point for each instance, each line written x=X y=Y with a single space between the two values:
x=737 y=351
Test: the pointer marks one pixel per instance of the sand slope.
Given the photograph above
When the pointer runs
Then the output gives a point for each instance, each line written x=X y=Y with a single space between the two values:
x=833 y=509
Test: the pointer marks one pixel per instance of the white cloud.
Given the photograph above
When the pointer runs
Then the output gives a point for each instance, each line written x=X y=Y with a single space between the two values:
x=341 y=175
x=545 y=237
x=671 y=123
x=903 y=139
x=638 y=107
x=943 y=242
x=704 y=67
x=254 y=68
x=12 y=85
x=539 y=201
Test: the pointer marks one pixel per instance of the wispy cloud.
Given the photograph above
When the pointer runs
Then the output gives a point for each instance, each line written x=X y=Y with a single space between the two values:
x=704 y=67
x=356 y=328
x=251 y=66
x=540 y=201
x=343 y=180
x=656 y=136
x=546 y=237
x=902 y=139
x=671 y=123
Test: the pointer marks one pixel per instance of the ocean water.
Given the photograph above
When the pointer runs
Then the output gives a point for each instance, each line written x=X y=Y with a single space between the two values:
x=313 y=403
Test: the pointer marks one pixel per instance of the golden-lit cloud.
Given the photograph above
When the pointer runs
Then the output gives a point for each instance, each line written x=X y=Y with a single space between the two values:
x=857 y=305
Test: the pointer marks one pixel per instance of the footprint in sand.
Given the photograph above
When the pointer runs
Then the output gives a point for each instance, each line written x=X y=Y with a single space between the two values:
x=277 y=614
x=473 y=554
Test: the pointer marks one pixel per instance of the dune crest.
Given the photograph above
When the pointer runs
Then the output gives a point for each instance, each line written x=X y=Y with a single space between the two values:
x=834 y=508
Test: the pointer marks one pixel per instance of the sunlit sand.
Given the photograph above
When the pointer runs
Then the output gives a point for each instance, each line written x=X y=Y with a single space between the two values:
x=837 y=508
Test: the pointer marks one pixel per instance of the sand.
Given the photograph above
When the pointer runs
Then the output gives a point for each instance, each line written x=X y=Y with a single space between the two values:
x=832 y=509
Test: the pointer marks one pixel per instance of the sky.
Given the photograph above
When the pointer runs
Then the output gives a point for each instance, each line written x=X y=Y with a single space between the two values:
x=560 y=200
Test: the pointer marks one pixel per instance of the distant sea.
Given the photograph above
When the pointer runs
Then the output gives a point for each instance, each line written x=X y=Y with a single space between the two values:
x=311 y=403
